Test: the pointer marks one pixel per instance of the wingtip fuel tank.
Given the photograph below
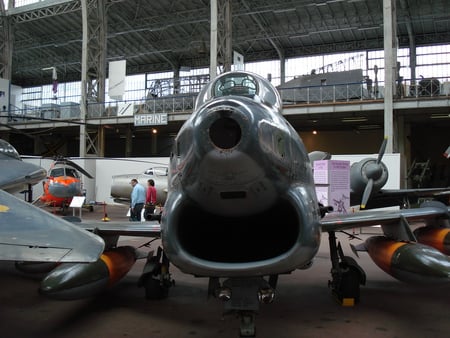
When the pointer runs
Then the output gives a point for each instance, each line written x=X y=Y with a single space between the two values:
x=72 y=281
x=410 y=262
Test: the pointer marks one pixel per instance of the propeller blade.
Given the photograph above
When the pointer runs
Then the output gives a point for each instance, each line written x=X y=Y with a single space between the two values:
x=382 y=150
x=366 y=194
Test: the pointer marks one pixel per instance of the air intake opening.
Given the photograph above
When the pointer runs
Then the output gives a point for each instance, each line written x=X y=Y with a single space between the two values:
x=238 y=239
x=225 y=133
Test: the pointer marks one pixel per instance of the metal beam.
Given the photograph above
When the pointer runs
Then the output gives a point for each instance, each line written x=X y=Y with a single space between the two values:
x=93 y=68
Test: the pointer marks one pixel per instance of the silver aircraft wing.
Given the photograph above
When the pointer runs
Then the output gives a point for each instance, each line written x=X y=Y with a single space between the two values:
x=336 y=222
x=28 y=233
x=16 y=174
x=138 y=229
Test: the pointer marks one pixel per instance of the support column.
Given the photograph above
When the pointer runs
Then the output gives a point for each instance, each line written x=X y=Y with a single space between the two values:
x=282 y=69
x=412 y=65
x=6 y=44
x=128 y=142
x=412 y=43
x=403 y=149
x=176 y=80
x=101 y=141
x=154 y=146
x=93 y=68
x=213 y=43
x=221 y=33
x=390 y=57
x=224 y=29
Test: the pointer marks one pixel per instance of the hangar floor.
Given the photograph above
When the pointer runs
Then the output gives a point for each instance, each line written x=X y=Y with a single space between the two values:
x=303 y=306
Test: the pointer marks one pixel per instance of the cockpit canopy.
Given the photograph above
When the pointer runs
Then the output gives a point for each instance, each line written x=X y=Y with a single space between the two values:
x=240 y=84
x=157 y=171
x=59 y=172
x=9 y=150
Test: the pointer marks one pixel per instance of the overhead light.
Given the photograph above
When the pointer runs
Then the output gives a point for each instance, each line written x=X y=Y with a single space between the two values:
x=440 y=116
x=368 y=127
x=354 y=119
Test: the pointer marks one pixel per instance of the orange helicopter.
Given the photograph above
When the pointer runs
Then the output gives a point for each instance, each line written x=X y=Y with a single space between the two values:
x=63 y=183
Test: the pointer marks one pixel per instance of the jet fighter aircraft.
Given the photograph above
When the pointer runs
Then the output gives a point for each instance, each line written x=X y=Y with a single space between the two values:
x=17 y=175
x=30 y=234
x=242 y=210
x=121 y=188
x=63 y=183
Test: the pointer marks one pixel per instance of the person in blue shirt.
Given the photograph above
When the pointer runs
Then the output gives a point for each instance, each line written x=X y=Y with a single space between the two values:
x=138 y=196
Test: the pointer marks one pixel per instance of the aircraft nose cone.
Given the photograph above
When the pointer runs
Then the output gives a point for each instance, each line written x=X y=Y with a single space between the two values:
x=225 y=133
x=65 y=190
x=374 y=171
x=74 y=188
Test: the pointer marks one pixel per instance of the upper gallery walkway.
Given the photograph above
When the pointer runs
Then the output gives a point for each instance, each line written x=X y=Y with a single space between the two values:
x=429 y=96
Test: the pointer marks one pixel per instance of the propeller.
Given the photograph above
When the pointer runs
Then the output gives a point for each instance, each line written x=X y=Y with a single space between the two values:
x=373 y=172
x=72 y=164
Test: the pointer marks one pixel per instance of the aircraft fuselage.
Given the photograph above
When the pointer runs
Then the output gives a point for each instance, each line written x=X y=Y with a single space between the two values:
x=242 y=200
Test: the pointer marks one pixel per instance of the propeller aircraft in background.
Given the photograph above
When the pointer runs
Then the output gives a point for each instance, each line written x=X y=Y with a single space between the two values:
x=30 y=234
x=242 y=211
x=370 y=175
x=63 y=183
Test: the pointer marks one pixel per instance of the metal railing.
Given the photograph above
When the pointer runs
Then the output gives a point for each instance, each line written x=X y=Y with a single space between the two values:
x=323 y=94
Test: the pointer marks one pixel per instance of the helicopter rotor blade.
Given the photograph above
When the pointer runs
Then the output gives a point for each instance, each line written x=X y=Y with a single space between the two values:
x=79 y=168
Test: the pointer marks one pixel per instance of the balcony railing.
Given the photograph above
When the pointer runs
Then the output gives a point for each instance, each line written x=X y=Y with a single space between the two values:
x=324 y=94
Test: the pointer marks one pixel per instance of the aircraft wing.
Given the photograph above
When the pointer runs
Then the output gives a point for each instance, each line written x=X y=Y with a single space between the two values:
x=28 y=233
x=139 y=229
x=390 y=197
x=17 y=174
x=336 y=222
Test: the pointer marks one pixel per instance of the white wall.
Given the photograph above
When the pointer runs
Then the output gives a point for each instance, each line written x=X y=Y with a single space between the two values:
x=105 y=169
x=99 y=188
x=392 y=162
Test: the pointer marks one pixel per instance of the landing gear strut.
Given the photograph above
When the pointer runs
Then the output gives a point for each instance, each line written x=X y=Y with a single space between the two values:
x=346 y=274
x=155 y=277
x=242 y=296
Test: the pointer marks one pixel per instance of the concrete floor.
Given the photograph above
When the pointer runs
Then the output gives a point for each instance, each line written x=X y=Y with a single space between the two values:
x=303 y=306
